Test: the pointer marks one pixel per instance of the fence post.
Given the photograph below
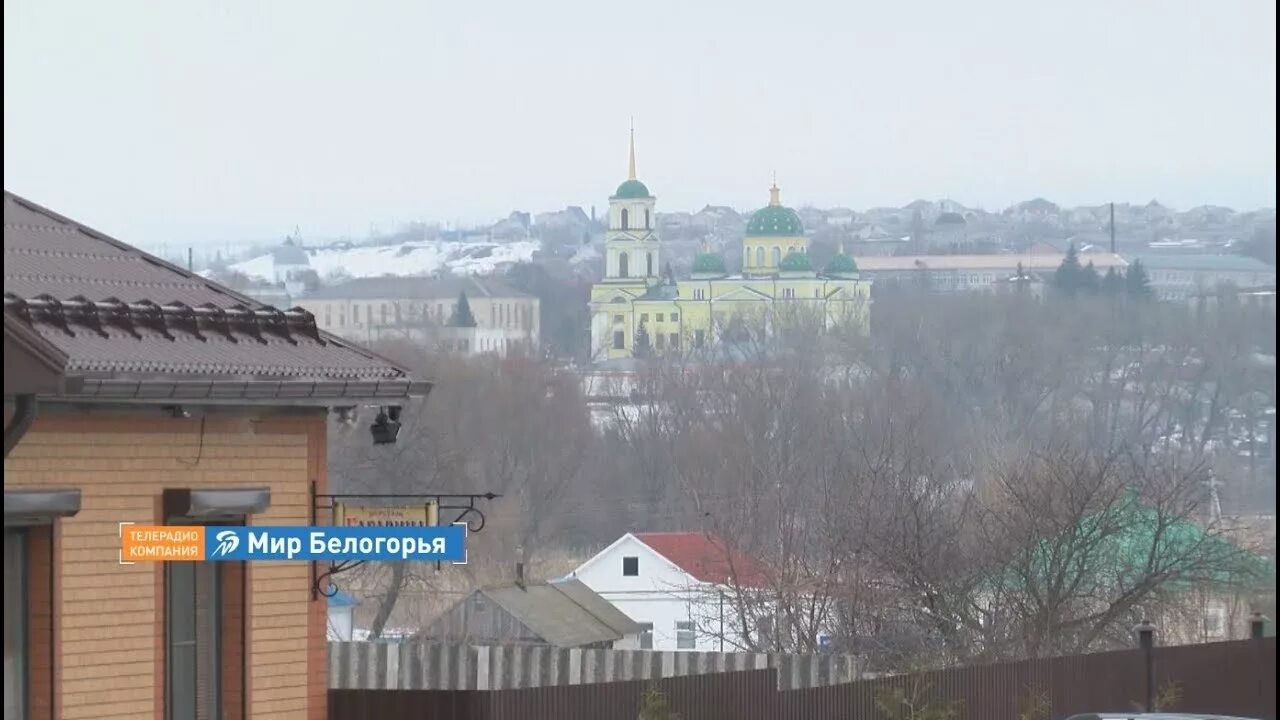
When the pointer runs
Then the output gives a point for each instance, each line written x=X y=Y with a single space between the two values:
x=1257 y=625
x=1258 y=630
x=1146 y=640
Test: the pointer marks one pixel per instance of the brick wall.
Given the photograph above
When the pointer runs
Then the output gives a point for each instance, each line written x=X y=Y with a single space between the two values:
x=111 y=618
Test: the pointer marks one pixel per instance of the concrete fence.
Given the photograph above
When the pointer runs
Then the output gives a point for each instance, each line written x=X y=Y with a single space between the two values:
x=425 y=665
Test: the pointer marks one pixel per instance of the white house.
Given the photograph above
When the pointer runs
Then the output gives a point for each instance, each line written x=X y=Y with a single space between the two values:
x=679 y=586
x=341 y=616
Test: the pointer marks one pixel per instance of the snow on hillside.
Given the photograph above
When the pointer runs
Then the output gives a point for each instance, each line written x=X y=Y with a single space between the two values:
x=410 y=258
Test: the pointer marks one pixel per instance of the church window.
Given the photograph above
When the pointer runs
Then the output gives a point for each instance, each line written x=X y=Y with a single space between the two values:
x=619 y=340
x=648 y=265
x=624 y=218
x=646 y=219
x=817 y=293
x=760 y=257
x=623 y=260
x=777 y=255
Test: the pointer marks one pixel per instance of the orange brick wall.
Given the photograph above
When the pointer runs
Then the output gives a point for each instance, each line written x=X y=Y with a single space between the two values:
x=111 y=618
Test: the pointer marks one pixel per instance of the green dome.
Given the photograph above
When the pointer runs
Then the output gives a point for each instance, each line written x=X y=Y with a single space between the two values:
x=775 y=221
x=632 y=189
x=795 y=262
x=708 y=263
x=841 y=264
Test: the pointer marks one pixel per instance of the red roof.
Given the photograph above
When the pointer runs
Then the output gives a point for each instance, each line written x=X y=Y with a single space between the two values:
x=707 y=558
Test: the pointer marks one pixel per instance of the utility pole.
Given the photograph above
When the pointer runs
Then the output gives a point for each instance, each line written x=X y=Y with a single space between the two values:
x=1113 y=228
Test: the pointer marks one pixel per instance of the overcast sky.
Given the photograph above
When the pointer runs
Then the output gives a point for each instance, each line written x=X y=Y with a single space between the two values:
x=222 y=121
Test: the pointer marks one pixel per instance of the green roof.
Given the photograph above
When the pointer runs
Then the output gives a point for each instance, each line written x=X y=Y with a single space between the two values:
x=795 y=262
x=841 y=264
x=632 y=189
x=1125 y=538
x=775 y=221
x=709 y=263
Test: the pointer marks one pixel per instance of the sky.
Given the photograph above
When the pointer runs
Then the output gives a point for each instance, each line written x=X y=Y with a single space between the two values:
x=208 y=121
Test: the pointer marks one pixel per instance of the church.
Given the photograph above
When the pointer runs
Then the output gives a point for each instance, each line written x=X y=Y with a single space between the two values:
x=637 y=311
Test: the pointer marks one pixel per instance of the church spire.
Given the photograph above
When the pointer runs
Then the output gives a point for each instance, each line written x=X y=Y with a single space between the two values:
x=775 y=199
x=631 y=165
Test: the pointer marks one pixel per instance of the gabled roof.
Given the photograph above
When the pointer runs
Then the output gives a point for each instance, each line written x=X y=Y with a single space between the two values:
x=141 y=329
x=565 y=613
x=31 y=364
x=707 y=558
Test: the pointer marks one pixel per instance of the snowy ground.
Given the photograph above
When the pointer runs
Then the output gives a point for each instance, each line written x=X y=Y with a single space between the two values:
x=411 y=258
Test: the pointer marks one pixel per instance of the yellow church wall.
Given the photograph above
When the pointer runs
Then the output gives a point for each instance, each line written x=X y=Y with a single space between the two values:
x=784 y=245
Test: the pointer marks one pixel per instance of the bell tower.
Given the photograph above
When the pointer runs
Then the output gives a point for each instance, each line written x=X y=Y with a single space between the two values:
x=631 y=242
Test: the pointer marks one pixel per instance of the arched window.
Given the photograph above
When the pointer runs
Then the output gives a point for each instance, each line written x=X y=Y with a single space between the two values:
x=622 y=257
x=648 y=263
x=777 y=255
x=646 y=221
x=760 y=257
x=624 y=218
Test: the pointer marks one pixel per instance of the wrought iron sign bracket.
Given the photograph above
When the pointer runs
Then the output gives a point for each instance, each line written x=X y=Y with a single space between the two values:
x=462 y=506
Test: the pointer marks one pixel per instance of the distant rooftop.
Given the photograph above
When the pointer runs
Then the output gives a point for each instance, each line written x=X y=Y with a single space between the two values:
x=1034 y=261
x=415 y=288
x=1196 y=261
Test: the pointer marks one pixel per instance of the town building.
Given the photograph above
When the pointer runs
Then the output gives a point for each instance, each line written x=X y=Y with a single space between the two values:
x=679 y=586
x=561 y=613
x=984 y=273
x=420 y=308
x=139 y=392
x=635 y=309
x=1180 y=276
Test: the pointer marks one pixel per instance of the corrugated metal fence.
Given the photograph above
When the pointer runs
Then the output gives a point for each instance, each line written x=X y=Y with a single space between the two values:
x=1236 y=678
x=1233 y=678
x=746 y=695
x=425 y=665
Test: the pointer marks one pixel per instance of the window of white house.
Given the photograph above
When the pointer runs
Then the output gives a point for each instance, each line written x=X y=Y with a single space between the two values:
x=660 y=341
x=644 y=317
x=619 y=340
x=630 y=566
x=686 y=635
x=675 y=341
x=646 y=636
x=675 y=317
x=699 y=337
x=659 y=317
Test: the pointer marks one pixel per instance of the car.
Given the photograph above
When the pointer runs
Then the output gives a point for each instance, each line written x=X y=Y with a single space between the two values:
x=1152 y=716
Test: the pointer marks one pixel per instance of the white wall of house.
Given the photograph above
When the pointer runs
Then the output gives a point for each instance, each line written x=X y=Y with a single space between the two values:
x=660 y=593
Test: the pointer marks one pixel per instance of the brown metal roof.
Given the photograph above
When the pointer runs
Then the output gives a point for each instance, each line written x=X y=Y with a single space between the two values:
x=31 y=363
x=140 y=328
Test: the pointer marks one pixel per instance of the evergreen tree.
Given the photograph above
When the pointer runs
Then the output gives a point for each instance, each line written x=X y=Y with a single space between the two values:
x=1136 y=283
x=640 y=348
x=1067 y=277
x=462 y=316
x=1113 y=283
x=1089 y=280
